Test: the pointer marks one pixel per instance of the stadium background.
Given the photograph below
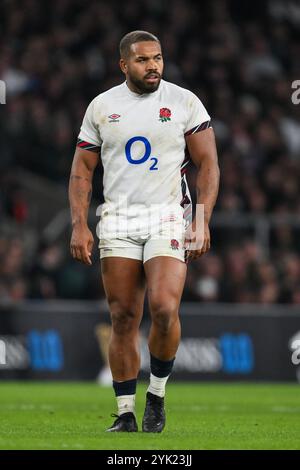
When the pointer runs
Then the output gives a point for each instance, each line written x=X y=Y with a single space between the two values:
x=240 y=308
x=240 y=311
x=239 y=57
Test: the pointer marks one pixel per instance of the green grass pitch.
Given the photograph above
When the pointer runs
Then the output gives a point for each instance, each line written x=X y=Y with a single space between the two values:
x=199 y=416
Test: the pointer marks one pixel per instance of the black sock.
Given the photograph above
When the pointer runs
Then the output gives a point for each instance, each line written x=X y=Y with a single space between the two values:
x=161 y=368
x=128 y=387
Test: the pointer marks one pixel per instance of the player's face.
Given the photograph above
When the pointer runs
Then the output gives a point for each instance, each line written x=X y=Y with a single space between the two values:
x=144 y=67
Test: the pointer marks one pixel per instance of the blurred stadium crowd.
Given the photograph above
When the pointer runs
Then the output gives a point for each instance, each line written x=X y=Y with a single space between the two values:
x=240 y=58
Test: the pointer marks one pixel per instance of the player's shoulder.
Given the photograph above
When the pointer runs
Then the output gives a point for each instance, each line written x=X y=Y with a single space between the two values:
x=179 y=91
x=107 y=95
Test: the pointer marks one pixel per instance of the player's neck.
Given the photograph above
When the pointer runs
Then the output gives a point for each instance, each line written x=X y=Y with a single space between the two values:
x=131 y=87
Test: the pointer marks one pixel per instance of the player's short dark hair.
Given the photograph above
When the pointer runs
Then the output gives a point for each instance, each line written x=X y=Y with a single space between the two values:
x=133 y=37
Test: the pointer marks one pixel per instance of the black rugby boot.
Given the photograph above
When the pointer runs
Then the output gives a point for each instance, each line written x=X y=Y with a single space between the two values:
x=124 y=423
x=154 y=419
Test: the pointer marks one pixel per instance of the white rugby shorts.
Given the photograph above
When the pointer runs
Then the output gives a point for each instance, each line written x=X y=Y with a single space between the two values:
x=142 y=236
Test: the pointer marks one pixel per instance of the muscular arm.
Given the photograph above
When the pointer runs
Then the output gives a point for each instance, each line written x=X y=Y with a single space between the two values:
x=203 y=152
x=80 y=191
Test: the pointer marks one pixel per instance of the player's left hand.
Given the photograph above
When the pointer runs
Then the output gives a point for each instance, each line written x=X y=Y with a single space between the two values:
x=197 y=240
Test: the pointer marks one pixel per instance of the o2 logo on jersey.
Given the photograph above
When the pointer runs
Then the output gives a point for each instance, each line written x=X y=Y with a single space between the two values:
x=145 y=157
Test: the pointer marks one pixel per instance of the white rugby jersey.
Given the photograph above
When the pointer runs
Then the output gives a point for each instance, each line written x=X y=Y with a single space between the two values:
x=141 y=139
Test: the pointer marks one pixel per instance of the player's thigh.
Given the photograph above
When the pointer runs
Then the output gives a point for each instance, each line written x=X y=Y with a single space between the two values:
x=165 y=281
x=124 y=283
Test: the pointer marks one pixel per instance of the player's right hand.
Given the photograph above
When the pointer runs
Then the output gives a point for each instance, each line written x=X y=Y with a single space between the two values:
x=81 y=245
x=197 y=240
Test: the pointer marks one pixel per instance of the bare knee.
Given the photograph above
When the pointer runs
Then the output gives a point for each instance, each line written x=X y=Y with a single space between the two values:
x=124 y=319
x=164 y=315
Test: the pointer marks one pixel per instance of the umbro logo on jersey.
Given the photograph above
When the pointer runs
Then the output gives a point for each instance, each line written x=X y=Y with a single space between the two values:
x=114 y=117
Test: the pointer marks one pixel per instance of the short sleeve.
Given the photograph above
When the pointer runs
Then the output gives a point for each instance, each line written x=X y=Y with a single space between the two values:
x=198 y=118
x=89 y=131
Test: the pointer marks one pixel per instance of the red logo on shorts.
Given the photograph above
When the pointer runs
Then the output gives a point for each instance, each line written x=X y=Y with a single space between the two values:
x=174 y=244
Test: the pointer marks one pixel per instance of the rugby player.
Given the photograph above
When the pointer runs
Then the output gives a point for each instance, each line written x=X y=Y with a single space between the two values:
x=142 y=130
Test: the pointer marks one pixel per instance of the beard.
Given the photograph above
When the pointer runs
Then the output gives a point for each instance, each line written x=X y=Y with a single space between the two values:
x=144 y=87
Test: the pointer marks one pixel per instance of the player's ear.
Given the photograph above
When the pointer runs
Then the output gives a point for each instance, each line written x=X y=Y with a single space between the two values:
x=123 y=65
